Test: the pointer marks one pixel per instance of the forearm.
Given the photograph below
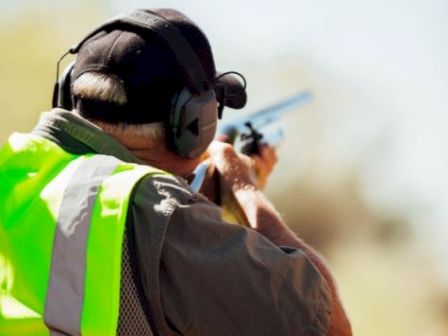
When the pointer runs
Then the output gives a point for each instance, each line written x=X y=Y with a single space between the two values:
x=261 y=216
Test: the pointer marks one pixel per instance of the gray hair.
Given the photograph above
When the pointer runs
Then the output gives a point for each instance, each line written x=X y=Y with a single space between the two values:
x=106 y=88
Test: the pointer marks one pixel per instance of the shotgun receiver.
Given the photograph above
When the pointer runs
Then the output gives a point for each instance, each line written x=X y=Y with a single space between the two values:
x=247 y=132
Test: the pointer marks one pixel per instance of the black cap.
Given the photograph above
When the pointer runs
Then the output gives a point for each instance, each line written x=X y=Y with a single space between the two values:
x=149 y=70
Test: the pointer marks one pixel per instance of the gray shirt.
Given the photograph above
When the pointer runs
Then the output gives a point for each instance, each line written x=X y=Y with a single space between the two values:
x=201 y=275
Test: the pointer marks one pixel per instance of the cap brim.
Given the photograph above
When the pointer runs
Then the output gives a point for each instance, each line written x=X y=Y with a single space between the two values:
x=230 y=90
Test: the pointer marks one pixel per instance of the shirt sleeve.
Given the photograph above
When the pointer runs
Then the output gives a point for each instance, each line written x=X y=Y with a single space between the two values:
x=219 y=279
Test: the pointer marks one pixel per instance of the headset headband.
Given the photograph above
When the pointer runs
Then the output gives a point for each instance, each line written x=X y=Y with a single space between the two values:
x=191 y=68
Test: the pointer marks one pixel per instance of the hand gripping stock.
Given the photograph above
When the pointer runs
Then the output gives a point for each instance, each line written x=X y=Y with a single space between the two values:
x=248 y=132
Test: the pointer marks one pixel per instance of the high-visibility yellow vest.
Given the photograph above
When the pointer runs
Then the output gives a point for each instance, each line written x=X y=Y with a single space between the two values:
x=62 y=220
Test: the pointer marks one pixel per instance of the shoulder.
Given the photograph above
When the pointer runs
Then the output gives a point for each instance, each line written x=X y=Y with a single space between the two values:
x=157 y=197
x=168 y=188
x=271 y=290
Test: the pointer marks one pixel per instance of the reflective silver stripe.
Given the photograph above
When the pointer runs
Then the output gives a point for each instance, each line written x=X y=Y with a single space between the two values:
x=65 y=294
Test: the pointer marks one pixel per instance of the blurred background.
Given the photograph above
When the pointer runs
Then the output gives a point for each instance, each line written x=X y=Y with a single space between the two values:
x=362 y=171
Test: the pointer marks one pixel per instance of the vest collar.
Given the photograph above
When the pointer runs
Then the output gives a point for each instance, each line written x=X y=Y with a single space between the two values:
x=77 y=135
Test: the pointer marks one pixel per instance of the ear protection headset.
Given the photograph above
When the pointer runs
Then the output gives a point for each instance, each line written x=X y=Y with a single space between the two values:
x=191 y=125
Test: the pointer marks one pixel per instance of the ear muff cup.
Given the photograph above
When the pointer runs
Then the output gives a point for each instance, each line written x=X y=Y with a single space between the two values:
x=193 y=122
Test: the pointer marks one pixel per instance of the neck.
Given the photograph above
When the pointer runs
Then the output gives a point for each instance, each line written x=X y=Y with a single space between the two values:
x=166 y=160
x=153 y=152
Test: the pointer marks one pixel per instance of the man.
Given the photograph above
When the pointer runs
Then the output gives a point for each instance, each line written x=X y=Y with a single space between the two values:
x=101 y=234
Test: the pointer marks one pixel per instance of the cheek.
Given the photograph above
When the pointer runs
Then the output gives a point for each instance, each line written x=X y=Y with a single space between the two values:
x=183 y=167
